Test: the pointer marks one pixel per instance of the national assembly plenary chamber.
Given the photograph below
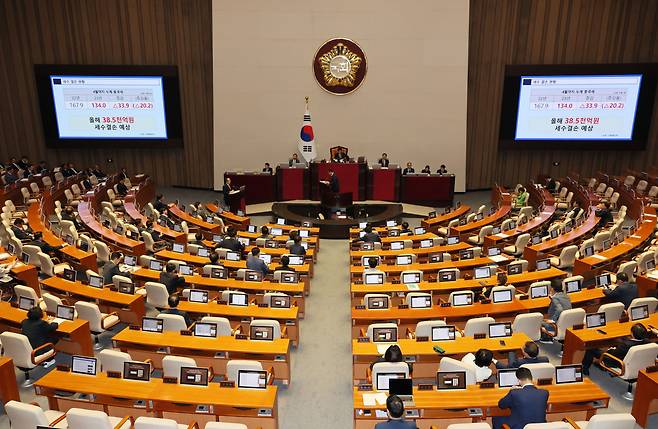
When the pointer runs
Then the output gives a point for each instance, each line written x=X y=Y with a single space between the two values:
x=372 y=214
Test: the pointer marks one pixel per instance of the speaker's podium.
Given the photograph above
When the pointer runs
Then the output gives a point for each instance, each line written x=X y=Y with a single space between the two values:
x=333 y=202
x=236 y=201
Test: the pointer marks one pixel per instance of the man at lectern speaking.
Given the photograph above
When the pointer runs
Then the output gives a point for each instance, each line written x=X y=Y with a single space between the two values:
x=333 y=184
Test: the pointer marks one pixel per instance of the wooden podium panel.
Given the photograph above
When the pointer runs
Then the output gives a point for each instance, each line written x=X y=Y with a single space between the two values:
x=351 y=178
x=292 y=184
x=384 y=184
x=259 y=188
x=429 y=190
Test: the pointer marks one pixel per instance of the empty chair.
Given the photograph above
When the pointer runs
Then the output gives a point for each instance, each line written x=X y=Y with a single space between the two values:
x=629 y=180
x=567 y=257
x=113 y=360
x=642 y=186
x=27 y=292
x=506 y=225
x=387 y=368
x=370 y=271
x=522 y=262
x=643 y=259
x=649 y=301
x=223 y=325
x=568 y=318
x=27 y=197
x=18 y=348
x=613 y=311
x=102 y=251
x=226 y=294
x=599 y=239
x=478 y=325
x=614 y=199
x=609 y=421
x=413 y=274
x=479 y=239
x=601 y=188
x=47 y=182
x=374 y=326
x=592 y=183
x=158 y=423
x=411 y=296
x=470 y=217
x=172 y=322
x=461 y=297
x=450 y=270
x=171 y=365
x=265 y=323
x=98 y=322
x=113 y=198
x=448 y=364
x=562 y=193
x=518 y=247
x=235 y=365
x=445 y=230
x=156 y=294
x=49 y=268
x=542 y=370
x=529 y=324
x=78 y=418
x=510 y=288
x=51 y=302
x=566 y=203
x=638 y=358
x=584 y=245
x=24 y=416
x=267 y=298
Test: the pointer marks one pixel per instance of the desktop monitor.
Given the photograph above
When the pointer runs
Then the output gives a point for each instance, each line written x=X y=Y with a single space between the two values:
x=295 y=260
x=280 y=221
x=252 y=379
x=218 y=238
x=450 y=380
x=203 y=252
x=447 y=276
x=383 y=379
x=501 y=296
x=69 y=240
x=384 y=335
x=607 y=244
x=482 y=272
x=650 y=265
x=251 y=228
x=265 y=258
x=244 y=240
x=639 y=312
x=118 y=229
x=419 y=230
x=374 y=279
x=400 y=386
x=152 y=324
x=205 y=329
x=390 y=223
x=572 y=286
x=539 y=291
x=304 y=233
x=394 y=233
x=96 y=281
x=595 y=320
x=493 y=251
x=377 y=303
x=126 y=287
x=436 y=257
x=363 y=225
x=218 y=273
x=403 y=259
x=555 y=232
x=237 y=298
x=83 y=365
x=397 y=245
x=69 y=275
x=11 y=248
x=567 y=228
x=177 y=227
x=25 y=303
x=25 y=258
x=447 y=210
x=155 y=265
x=459 y=299
x=424 y=244
x=178 y=248
x=603 y=280
x=443 y=333
x=453 y=240
x=514 y=269
x=466 y=254
x=194 y=376
x=420 y=302
x=280 y=301
x=289 y=278
x=498 y=330
x=200 y=296
x=479 y=216
x=511 y=225
x=261 y=333
x=432 y=214
x=588 y=251
x=253 y=276
x=65 y=312
x=276 y=232
x=367 y=246
x=543 y=264
x=232 y=256
x=410 y=278
x=130 y=260
x=362 y=234
x=139 y=371
x=568 y=374
x=507 y=378
x=536 y=239
x=185 y=270
x=209 y=219
x=495 y=230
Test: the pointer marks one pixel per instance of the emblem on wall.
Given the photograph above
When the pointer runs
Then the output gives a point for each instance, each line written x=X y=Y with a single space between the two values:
x=340 y=66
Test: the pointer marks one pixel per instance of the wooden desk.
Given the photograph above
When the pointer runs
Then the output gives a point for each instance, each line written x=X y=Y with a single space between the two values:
x=207 y=352
x=424 y=358
x=427 y=189
x=73 y=336
x=136 y=199
x=502 y=199
x=206 y=228
x=242 y=316
x=497 y=240
x=312 y=241
x=438 y=407
x=433 y=223
x=646 y=286
x=130 y=308
x=312 y=231
x=646 y=397
x=108 y=236
x=116 y=396
x=415 y=238
x=8 y=386
x=422 y=253
x=577 y=341
x=236 y=220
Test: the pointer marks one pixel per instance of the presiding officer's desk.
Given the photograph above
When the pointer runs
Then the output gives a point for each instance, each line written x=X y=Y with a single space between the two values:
x=646 y=397
x=423 y=254
x=421 y=353
x=434 y=223
x=576 y=341
x=384 y=183
x=254 y=289
x=73 y=336
x=129 y=308
x=292 y=182
x=206 y=352
x=521 y=281
x=442 y=407
x=243 y=315
x=254 y=407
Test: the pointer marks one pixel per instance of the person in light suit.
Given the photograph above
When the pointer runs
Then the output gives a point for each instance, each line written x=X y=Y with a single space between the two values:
x=527 y=403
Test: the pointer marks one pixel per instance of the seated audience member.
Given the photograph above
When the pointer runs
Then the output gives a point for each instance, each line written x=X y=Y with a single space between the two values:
x=155 y=235
x=21 y=230
x=230 y=241
x=372 y=266
x=23 y=163
x=484 y=364
x=171 y=279
x=96 y=171
x=405 y=229
x=42 y=168
x=122 y=189
x=293 y=160
x=551 y=184
x=501 y=280
x=41 y=244
x=370 y=235
x=111 y=268
x=200 y=210
x=426 y=170
x=11 y=175
x=37 y=330
x=284 y=264
x=265 y=233
x=384 y=161
x=560 y=301
x=267 y=169
x=296 y=248
x=393 y=354
x=214 y=258
x=604 y=214
x=395 y=412
x=198 y=239
x=527 y=403
x=530 y=355
x=173 y=309
x=625 y=291
x=159 y=204
x=409 y=169
x=257 y=264
x=442 y=169
x=521 y=199
x=575 y=210
x=639 y=336
x=123 y=174
x=69 y=214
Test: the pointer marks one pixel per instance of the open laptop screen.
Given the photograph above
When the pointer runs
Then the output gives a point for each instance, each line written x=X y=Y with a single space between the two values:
x=568 y=374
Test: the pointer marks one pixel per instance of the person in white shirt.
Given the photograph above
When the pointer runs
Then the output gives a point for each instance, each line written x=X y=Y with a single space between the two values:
x=483 y=362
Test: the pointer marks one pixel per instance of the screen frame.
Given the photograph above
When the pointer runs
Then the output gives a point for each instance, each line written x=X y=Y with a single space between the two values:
x=170 y=92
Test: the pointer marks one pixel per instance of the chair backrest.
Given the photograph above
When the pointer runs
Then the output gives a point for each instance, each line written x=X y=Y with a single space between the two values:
x=23 y=416
x=639 y=358
x=90 y=312
x=628 y=268
x=611 y=421
x=226 y=294
x=449 y=270
x=568 y=256
x=649 y=301
x=484 y=231
x=267 y=298
x=78 y=418
x=234 y=365
x=569 y=318
x=171 y=365
x=410 y=295
x=470 y=217
x=529 y=324
x=145 y=260
x=18 y=348
x=366 y=258
x=522 y=262
x=478 y=325
x=270 y=324
x=449 y=364
x=599 y=238
x=25 y=291
x=642 y=185
x=424 y=327
x=608 y=192
x=207 y=269
x=157 y=294
x=506 y=224
x=51 y=302
x=172 y=322
x=613 y=311
x=387 y=368
x=643 y=258
x=102 y=251
x=363 y=276
x=46 y=264
x=510 y=288
x=154 y=423
x=563 y=192
x=410 y=272
x=521 y=241
x=223 y=325
x=113 y=360
x=47 y=182
x=540 y=370
x=653 y=192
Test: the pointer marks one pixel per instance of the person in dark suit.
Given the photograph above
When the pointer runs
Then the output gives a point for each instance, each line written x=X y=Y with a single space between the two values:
x=340 y=156
x=22 y=231
x=384 y=161
x=173 y=309
x=333 y=182
x=24 y=163
x=257 y=264
x=226 y=190
x=111 y=268
x=370 y=236
x=283 y=266
x=69 y=214
x=37 y=330
x=123 y=174
x=41 y=244
x=404 y=230
x=198 y=239
x=159 y=204
x=427 y=170
x=409 y=169
x=527 y=403
x=442 y=169
x=96 y=171
x=604 y=214
x=625 y=292
x=639 y=336
x=575 y=210
x=530 y=355
x=11 y=176
x=122 y=189
x=171 y=280
x=267 y=169
x=297 y=248
x=230 y=242
x=395 y=411
x=294 y=160
x=265 y=233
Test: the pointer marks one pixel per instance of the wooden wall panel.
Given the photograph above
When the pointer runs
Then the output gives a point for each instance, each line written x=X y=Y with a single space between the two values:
x=549 y=32
x=174 y=32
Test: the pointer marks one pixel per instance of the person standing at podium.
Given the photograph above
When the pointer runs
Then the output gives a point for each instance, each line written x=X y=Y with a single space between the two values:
x=334 y=185
x=384 y=161
x=226 y=190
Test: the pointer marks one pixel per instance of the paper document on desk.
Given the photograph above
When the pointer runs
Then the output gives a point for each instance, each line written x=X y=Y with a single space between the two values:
x=599 y=257
x=381 y=398
x=653 y=275
x=369 y=399
x=498 y=258
x=413 y=286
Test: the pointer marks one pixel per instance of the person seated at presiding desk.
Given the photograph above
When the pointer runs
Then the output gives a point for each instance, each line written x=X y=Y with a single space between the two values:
x=257 y=264
x=171 y=279
x=527 y=403
x=442 y=169
x=340 y=156
x=21 y=230
x=560 y=301
x=37 y=330
x=395 y=411
x=409 y=169
x=294 y=160
x=483 y=362
x=393 y=354
x=296 y=248
x=383 y=161
x=639 y=336
x=173 y=309
x=111 y=268
x=41 y=244
x=370 y=236
x=267 y=169
x=284 y=265
x=521 y=199
x=530 y=355
x=159 y=205
x=230 y=241
x=625 y=291
x=426 y=170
